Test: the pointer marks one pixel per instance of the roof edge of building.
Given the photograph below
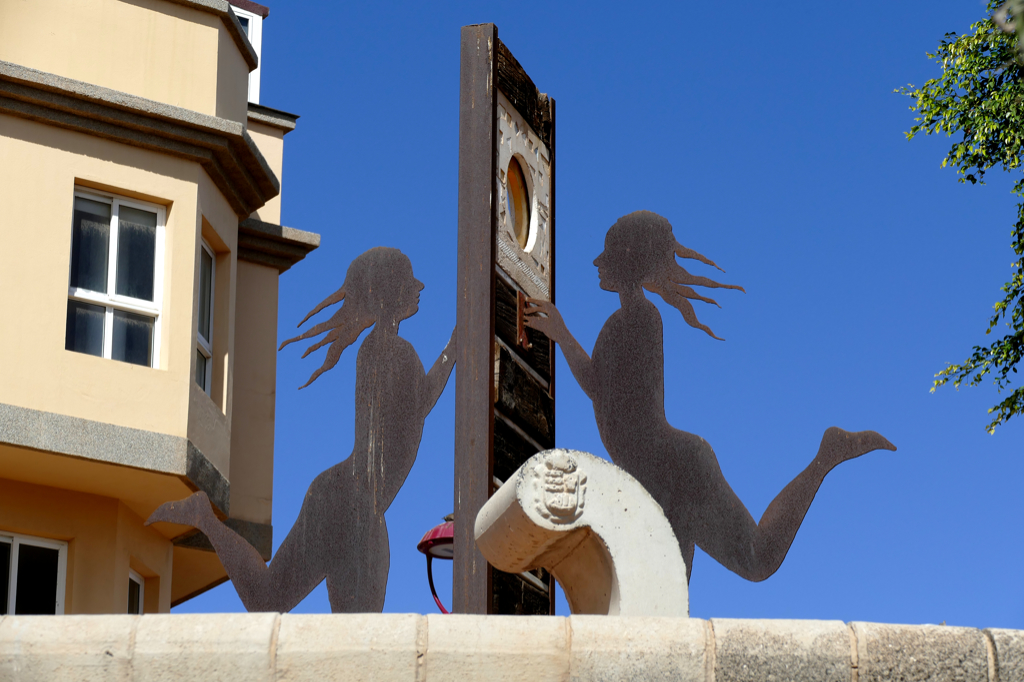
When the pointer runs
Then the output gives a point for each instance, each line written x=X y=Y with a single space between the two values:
x=222 y=8
x=272 y=117
x=273 y=245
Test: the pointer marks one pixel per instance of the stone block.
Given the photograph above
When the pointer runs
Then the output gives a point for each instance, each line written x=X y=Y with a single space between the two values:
x=1009 y=654
x=913 y=653
x=53 y=648
x=352 y=647
x=497 y=648
x=782 y=650
x=196 y=647
x=611 y=649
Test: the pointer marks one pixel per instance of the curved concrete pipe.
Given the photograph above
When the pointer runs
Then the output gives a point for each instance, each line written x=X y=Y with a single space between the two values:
x=594 y=527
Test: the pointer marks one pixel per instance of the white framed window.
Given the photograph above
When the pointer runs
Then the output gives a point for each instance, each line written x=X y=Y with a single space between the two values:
x=116 y=280
x=32 y=575
x=252 y=26
x=204 y=332
x=136 y=592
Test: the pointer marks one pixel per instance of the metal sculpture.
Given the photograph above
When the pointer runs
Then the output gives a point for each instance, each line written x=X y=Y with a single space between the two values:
x=340 y=534
x=625 y=380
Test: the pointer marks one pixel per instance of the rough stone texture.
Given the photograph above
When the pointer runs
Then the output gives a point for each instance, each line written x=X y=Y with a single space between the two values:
x=496 y=648
x=909 y=653
x=80 y=648
x=1008 y=647
x=407 y=648
x=65 y=435
x=200 y=647
x=316 y=648
x=756 y=650
x=613 y=649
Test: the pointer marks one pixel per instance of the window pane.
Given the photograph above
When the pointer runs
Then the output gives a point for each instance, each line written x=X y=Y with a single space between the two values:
x=132 y=338
x=84 y=333
x=136 y=252
x=201 y=369
x=90 y=243
x=36 y=593
x=205 y=292
x=244 y=21
x=133 y=596
x=5 y=575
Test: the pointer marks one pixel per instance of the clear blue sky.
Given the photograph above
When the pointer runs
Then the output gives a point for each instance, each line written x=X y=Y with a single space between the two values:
x=770 y=137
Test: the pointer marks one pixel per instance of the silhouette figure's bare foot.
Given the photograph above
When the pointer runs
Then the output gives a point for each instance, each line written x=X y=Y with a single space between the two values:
x=838 y=445
x=188 y=512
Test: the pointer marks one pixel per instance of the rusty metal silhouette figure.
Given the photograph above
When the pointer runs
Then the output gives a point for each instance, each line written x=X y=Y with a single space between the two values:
x=625 y=379
x=340 y=534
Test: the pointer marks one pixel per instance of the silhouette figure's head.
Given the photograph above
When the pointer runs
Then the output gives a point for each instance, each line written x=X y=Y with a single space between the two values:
x=640 y=251
x=379 y=289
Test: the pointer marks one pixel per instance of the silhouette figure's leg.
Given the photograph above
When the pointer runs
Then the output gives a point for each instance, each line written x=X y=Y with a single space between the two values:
x=358 y=584
x=277 y=587
x=723 y=527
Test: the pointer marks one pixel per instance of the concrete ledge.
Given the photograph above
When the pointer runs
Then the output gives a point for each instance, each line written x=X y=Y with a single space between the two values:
x=112 y=444
x=273 y=245
x=414 y=648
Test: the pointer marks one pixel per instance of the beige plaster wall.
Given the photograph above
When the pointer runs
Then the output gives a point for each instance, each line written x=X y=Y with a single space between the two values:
x=104 y=538
x=270 y=141
x=151 y=48
x=252 y=435
x=42 y=165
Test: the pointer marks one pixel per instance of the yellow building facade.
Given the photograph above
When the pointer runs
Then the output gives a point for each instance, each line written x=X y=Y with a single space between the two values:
x=140 y=251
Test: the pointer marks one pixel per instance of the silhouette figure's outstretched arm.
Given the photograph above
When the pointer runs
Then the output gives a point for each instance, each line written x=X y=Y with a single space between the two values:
x=437 y=377
x=554 y=327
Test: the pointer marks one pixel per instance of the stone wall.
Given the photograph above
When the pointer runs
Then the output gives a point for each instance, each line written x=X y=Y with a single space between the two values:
x=413 y=648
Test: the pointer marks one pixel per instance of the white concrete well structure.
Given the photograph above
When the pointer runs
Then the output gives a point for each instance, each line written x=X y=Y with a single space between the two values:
x=594 y=527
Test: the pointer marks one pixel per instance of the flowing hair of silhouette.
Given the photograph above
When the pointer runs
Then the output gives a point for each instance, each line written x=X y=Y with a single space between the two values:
x=625 y=380
x=340 y=534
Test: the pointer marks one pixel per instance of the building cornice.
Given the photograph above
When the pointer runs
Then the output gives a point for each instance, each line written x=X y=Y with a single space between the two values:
x=221 y=146
x=272 y=117
x=273 y=245
x=223 y=10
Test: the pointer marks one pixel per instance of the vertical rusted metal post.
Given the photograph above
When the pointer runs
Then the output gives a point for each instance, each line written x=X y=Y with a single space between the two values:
x=474 y=382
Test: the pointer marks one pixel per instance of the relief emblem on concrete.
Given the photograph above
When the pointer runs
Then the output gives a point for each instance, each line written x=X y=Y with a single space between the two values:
x=340 y=535
x=625 y=380
x=560 y=488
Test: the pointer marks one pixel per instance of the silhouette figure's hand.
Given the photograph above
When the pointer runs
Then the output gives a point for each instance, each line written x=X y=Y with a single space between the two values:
x=545 y=318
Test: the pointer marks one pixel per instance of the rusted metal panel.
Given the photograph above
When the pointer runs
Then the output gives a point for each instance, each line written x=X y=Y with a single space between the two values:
x=625 y=379
x=340 y=534
x=538 y=355
x=474 y=385
x=524 y=400
x=523 y=94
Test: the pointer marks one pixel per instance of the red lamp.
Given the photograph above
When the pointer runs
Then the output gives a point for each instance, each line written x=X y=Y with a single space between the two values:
x=439 y=542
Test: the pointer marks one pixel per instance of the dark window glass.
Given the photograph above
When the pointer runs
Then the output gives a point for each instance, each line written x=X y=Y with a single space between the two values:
x=90 y=245
x=5 y=575
x=244 y=21
x=36 y=593
x=136 y=253
x=132 y=338
x=201 y=370
x=84 y=333
x=205 y=292
x=134 y=590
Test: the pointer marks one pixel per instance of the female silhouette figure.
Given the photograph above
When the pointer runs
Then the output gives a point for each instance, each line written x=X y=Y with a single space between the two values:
x=340 y=534
x=625 y=380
